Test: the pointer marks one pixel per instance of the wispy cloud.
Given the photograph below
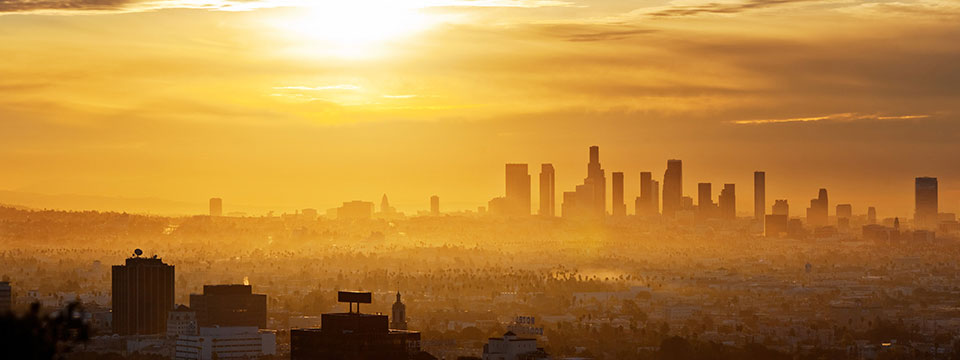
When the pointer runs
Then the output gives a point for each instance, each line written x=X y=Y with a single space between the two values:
x=349 y=87
x=831 y=117
x=721 y=8
x=99 y=6
x=407 y=96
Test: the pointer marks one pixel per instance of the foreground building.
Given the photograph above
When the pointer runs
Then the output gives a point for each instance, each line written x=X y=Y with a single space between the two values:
x=229 y=305
x=232 y=342
x=143 y=291
x=511 y=347
x=354 y=336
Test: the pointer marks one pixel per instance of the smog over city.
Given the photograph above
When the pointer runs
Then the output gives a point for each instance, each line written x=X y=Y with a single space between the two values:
x=479 y=179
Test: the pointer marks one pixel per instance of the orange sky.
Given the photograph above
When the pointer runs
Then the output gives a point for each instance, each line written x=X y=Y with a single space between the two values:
x=286 y=104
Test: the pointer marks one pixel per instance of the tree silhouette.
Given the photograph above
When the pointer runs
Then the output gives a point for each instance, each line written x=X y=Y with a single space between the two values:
x=33 y=336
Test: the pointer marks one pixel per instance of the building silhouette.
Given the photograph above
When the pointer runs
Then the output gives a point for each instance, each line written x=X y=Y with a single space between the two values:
x=435 y=205
x=517 y=190
x=181 y=321
x=143 y=293
x=231 y=342
x=705 y=205
x=6 y=297
x=512 y=347
x=759 y=195
x=645 y=205
x=780 y=207
x=216 y=207
x=548 y=190
x=399 y=314
x=385 y=208
x=619 y=206
x=818 y=212
x=871 y=215
x=672 y=188
x=728 y=202
x=353 y=336
x=844 y=214
x=588 y=200
x=655 y=196
x=355 y=210
x=926 y=200
x=229 y=305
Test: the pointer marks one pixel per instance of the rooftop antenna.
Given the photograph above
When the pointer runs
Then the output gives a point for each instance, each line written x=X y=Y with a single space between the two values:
x=137 y=252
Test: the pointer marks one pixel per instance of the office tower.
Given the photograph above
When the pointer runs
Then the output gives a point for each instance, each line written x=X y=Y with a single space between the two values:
x=517 y=190
x=619 y=206
x=399 y=320
x=143 y=291
x=435 y=205
x=927 y=207
x=780 y=207
x=644 y=204
x=588 y=200
x=871 y=215
x=354 y=335
x=704 y=201
x=728 y=202
x=355 y=210
x=216 y=207
x=548 y=190
x=229 y=305
x=385 y=208
x=655 y=196
x=672 y=187
x=818 y=212
x=759 y=195
x=6 y=297
x=844 y=214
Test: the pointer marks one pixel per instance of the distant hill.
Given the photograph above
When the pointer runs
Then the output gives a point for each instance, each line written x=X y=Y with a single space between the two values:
x=34 y=201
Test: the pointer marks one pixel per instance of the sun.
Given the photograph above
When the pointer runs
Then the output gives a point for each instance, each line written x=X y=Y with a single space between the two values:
x=352 y=29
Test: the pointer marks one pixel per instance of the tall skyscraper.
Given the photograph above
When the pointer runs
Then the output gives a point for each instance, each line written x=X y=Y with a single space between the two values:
x=871 y=215
x=927 y=203
x=435 y=205
x=216 y=207
x=517 y=189
x=819 y=210
x=759 y=195
x=589 y=199
x=619 y=206
x=704 y=201
x=143 y=293
x=399 y=315
x=229 y=305
x=548 y=190
x=728 y=202
x=672 y=187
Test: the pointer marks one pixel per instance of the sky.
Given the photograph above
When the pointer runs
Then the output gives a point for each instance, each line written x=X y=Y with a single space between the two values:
x=289 y=104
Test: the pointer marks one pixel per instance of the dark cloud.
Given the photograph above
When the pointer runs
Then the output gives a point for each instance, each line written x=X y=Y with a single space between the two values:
x=721 y=8
x=35 y=5
x=593 y=32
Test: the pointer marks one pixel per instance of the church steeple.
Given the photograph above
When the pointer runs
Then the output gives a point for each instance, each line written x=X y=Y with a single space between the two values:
x=399 y=321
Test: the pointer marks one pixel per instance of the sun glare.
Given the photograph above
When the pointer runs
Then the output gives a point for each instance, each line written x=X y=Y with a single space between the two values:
x=352 y=29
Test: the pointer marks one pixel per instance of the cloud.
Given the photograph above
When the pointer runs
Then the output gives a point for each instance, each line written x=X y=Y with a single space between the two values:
x=578 y=32
x=831 y=117
x=721 y=8
x=79 y=6
x=320 y=88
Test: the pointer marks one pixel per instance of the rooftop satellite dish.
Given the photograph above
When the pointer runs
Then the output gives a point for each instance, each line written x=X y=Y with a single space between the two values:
x=138 y=252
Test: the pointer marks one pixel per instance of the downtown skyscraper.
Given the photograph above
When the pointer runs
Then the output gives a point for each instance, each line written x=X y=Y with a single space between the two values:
x=588 y=200
x=619 y=206
x=548 y=190
x=759 y=195
x=819 y=210
x=926 y=203
x=672 y=187
x=517 y=190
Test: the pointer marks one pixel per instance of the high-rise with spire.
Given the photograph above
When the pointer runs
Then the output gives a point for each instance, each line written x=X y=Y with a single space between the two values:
x=398 y=319
x=589 y=199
